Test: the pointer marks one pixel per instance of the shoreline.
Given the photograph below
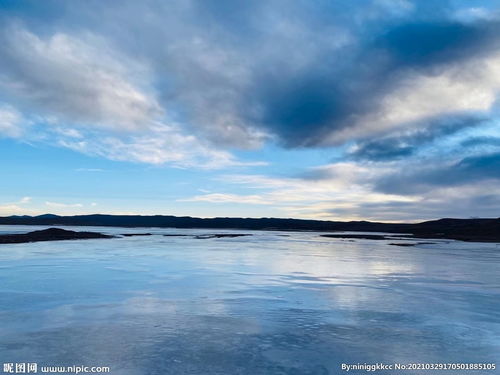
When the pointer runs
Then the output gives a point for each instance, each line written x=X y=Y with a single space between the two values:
x=59 y=234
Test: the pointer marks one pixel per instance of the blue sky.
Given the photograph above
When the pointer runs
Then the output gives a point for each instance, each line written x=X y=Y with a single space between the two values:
x=328 y=109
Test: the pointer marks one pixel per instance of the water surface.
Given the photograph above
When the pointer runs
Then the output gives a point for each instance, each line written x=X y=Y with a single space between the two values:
x=271 y=303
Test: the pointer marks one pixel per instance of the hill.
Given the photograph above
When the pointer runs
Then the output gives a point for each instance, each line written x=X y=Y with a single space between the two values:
x=461 y=229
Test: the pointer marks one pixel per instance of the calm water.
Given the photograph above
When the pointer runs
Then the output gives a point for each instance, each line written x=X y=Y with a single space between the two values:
x=271 y=303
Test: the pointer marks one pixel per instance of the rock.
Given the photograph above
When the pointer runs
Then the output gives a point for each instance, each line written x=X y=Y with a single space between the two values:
x=51 y=234
x=209 y=235
x=411 y=243
x=220 y=235
x=358 y=236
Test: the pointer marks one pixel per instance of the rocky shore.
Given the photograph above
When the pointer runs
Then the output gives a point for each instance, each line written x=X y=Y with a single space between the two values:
x=476 y=229
x=51 y=234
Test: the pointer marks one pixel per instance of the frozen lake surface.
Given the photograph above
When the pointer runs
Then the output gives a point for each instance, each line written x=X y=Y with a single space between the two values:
x=271 y=303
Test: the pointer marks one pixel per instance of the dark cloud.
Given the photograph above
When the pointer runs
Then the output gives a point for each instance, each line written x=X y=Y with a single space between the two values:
x=480 y=142
x=425 y=44
x=232 y=71
x=421 y=179
x=401 y=146
x=386 y=149
x=301 y=109
x=304 y=107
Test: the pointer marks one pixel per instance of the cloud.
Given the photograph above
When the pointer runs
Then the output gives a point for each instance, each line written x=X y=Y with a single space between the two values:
x=19 y=207
x=473 y=14
x=25 y=200
x=340 y=185
x=89 y=170
x=425 y=44
x=86 y=96
x=163 y=145
x=418 y=179
x=11 y=122
x=76 y=79
x=228 y=198
x=404 y=93
x=472 y=201
x=63 y=205
x=11 y=209
x=406 y=143
x=405 y=190
x=320 y=78
x=417 y=72
x=458 y=92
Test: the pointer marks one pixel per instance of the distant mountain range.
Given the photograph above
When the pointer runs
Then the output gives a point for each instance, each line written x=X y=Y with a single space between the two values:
x=484 y=230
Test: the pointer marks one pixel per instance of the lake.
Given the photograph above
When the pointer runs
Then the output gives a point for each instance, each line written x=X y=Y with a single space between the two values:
x=270 y=303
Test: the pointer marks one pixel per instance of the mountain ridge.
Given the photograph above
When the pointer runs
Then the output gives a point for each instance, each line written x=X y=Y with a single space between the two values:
x=474 y=229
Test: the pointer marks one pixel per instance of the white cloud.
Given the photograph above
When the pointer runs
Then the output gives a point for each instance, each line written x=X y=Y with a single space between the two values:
x=463 y=88
x=340 y=185
x=11 y=209
x=228 y=198
x=89 y=170
x=11 y=122
x=162 y=145
x=92 y=99
x=329 y=198
x=76 y=78
x=473 y=14
x=21 y=207
x=63 y=205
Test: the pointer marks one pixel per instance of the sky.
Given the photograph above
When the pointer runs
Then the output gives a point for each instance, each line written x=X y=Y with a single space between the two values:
x=380 y=110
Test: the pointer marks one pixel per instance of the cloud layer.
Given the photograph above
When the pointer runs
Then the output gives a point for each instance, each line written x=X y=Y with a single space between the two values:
x=236 y=73
x=403 y=93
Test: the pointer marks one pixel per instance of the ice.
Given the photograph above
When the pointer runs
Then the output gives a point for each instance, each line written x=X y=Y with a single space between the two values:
x=270 y=303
